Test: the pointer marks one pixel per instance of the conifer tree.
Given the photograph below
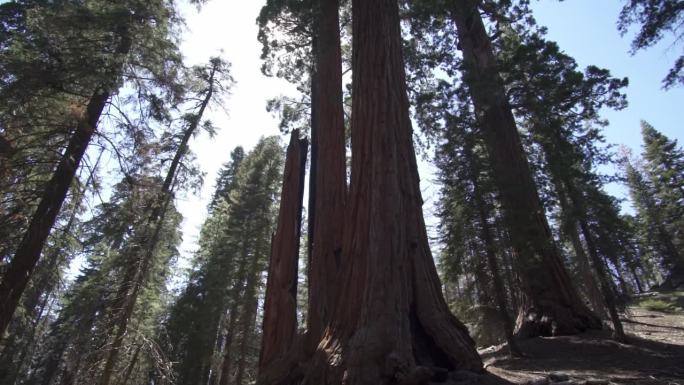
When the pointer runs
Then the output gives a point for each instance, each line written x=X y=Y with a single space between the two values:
x=656 y=19
x=551 y=304
x=124 y=32
x=657 y=194
x=212 y=321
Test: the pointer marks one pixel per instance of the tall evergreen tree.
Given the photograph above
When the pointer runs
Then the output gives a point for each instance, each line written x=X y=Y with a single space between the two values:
x=656 y=19
x=657 y=194
x=116 y=37
x=551 y=304
x=212 y=321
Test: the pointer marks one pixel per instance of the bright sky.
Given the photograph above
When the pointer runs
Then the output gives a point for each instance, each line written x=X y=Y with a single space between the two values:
x=585 y=29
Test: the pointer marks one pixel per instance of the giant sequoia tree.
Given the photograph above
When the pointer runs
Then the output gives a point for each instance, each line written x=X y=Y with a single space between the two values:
x=551 y=305
x=391 y=323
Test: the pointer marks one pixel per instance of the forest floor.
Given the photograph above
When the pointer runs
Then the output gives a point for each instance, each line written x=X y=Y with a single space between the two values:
x=654 y=323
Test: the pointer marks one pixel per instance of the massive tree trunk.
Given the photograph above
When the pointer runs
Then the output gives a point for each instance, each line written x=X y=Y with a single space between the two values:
x=550 y=304
x=280 y=305
x=330 y=191
x=391 y=323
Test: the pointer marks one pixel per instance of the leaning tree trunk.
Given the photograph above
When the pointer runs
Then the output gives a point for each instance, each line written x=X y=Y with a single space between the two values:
x=593 y=291
x=280 y=304
x=492 y=260
x=550 y=304
x=143 y=253
x=28 y=252
x=128 y=295
x=331 y=182
x=606 y=289
x=391 y=323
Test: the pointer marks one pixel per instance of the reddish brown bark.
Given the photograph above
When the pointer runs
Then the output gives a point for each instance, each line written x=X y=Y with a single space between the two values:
x=330 y=182
x=391 y=323
x=550 y=304
x=280 y=307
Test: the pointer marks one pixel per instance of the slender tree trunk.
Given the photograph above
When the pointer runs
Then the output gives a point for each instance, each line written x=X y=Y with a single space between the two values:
x=606 y=289
x=570 y=228
x=593 y=291
x=128 y=293
x=226 y=365
x=550 y=305
x=280 y=305
x=236 y=294
x=28 y=252
x=481 y=280
x=490 y=251
x=513 y=283
x=331 y=182
x=250 y=305
x=131 y=366
x=637 y=281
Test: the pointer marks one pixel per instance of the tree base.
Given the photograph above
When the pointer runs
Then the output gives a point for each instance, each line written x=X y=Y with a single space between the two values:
x=554 y=320
x=674 y=281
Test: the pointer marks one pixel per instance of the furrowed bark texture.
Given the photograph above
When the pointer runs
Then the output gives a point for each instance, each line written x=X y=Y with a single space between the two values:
x=331 y=182
x=280 y=307
x=391 y=323
x=550 y=304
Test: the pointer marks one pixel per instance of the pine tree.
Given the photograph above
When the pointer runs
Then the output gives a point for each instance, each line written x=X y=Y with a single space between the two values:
x=656 y=18
x=658 y=194
x=80 y=334
x=124 y=33
x=214 y=316
x=551 y=304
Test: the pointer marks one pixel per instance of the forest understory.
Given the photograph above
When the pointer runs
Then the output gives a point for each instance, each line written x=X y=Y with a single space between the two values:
x=653 y=356
x=324 y=261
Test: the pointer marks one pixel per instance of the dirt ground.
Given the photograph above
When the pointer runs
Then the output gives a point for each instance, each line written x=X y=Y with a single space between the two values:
x=655 y=354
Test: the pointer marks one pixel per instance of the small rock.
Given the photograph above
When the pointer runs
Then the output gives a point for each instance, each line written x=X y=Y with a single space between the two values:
x=558 y=377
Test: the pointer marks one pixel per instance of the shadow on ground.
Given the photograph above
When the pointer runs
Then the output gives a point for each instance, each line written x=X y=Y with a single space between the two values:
x=592 y=356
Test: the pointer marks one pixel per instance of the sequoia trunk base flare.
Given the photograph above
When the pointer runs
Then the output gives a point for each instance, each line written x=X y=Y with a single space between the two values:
x=390 y=323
